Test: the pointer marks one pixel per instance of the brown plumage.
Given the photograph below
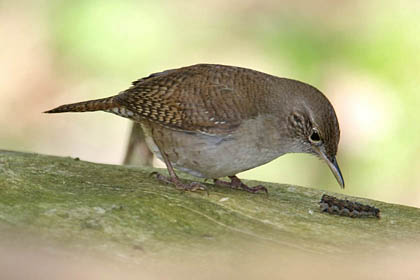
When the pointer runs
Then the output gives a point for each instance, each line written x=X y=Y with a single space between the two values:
x=102 y=104
x=214 y=120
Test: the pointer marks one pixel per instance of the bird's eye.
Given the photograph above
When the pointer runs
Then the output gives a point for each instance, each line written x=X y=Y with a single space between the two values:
x=315 y=138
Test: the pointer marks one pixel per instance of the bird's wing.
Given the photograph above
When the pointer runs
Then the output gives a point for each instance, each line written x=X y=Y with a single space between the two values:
x=189 y=100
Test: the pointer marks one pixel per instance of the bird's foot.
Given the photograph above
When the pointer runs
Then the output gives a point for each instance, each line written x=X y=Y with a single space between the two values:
x=192 y=187
x=236 y=183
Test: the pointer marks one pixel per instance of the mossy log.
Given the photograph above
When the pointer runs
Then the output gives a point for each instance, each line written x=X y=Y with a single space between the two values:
x=123 y=211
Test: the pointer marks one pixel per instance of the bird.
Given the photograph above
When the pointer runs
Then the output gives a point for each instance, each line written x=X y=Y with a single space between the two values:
x=214 y=121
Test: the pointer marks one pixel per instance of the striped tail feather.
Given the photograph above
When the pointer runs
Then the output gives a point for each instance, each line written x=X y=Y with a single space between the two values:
x=103 y=104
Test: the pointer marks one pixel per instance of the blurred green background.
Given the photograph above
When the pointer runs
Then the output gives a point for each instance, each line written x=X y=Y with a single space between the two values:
x=364 y=55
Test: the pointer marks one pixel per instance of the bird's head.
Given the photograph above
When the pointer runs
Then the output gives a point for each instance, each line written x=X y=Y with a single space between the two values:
x=313 y=127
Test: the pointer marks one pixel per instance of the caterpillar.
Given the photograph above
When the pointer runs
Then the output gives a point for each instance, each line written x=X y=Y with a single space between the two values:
x=344 y=207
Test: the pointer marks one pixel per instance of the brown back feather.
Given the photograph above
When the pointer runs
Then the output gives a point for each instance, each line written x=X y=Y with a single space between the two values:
x=202 y=98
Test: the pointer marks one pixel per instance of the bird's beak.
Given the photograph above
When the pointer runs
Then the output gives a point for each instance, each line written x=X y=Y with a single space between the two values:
x=333 y=165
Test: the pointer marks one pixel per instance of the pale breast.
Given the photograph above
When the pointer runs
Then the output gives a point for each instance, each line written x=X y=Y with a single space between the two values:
x=214 y=156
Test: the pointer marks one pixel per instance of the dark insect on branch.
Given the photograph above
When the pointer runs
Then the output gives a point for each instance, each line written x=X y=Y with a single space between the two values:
x=344 y=207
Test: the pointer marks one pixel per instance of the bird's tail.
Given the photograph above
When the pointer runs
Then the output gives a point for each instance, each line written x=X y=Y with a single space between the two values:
x=103 y=104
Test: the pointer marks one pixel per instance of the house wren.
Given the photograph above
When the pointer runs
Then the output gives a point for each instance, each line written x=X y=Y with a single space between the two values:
x=213 y=121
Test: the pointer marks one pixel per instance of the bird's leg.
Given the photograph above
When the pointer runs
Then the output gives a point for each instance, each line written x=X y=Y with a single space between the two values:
x=236 y=183
x=173 y=178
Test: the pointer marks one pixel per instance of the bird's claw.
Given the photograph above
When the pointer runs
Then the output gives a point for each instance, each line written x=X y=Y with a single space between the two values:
x=161 y=177
x=254 y=189
x=236 y=183
x=192 y=187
